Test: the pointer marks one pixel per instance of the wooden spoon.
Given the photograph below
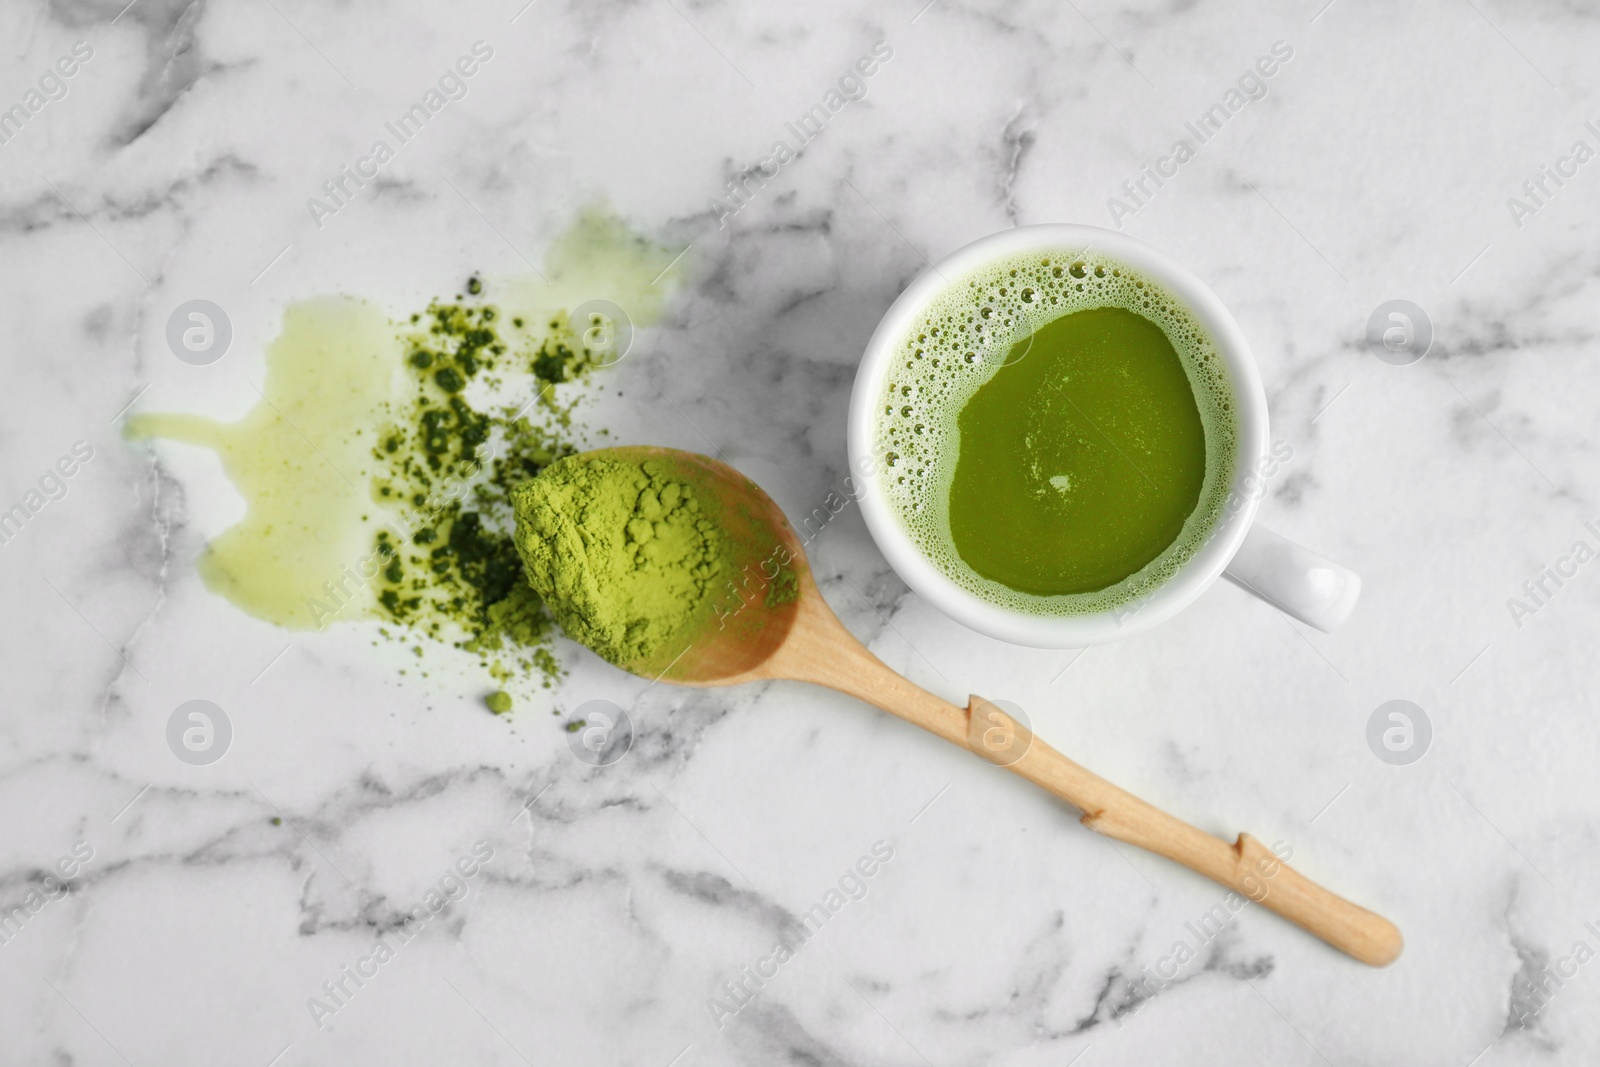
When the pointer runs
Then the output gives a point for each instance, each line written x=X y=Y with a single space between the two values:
x=771 y=622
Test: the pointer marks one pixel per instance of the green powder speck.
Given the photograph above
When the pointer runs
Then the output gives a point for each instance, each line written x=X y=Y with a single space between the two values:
x=498 y=702
x=784 y=588
x=620 y=551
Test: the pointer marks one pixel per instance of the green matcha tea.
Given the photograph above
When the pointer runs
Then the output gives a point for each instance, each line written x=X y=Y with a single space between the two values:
x=1057 y=435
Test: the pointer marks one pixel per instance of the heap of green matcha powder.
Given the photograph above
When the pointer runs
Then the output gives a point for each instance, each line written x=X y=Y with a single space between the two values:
x=621 y=552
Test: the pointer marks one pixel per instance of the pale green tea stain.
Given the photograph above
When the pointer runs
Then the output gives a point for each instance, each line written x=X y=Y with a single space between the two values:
x=302 y=460
x=307 y=457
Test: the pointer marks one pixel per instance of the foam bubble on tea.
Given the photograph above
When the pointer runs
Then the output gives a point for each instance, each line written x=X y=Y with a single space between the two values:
x=1058 y=433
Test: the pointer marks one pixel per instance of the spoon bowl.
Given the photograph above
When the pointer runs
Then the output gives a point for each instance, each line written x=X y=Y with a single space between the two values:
x=744 y=623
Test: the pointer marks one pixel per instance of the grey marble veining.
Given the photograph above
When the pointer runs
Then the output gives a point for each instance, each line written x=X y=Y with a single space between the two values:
x=1402 y=152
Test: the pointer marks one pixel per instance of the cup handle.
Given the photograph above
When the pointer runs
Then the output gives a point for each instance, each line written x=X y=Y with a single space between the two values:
x=1295 y=580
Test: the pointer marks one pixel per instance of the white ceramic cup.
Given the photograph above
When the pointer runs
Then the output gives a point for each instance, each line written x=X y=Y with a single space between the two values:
x=1313 y=589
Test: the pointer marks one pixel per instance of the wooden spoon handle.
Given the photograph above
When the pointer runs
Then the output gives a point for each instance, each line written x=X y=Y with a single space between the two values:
x=1247 y=866
x=822 y=651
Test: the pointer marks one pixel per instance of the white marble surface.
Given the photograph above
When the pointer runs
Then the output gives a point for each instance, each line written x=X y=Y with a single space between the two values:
x=1378 y=166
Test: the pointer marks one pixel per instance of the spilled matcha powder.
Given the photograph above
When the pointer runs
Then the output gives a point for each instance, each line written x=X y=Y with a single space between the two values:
x=447 y=467
x=620 y=551
x=378 y=466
